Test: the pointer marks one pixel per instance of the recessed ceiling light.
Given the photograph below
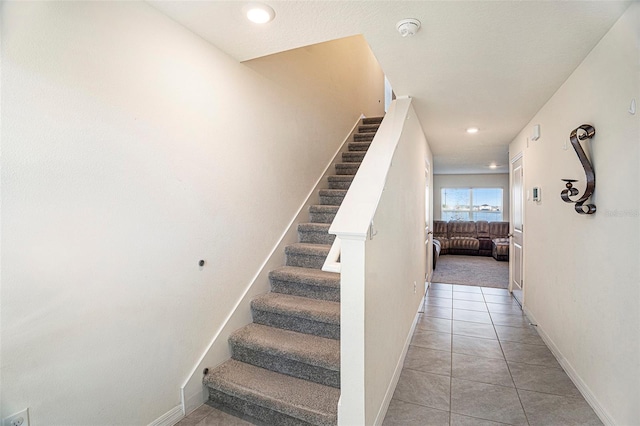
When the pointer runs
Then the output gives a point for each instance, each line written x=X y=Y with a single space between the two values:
x=472 y=130
x=493 y=166
x=259 y=13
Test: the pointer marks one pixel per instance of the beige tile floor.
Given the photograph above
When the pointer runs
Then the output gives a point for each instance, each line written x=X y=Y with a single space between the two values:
x=474 y=360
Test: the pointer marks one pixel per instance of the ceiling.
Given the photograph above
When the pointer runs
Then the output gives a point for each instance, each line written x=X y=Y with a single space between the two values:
x=485 y=64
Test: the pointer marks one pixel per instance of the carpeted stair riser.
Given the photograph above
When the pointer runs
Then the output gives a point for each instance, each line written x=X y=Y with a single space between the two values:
x=347 y=168
x=332 y=197
x=372 y=120
x=340 y=184
x=306 y=290
x=340 y=181
x=363 y=137
x=295 y=354
x=286 y=366
x=314 y=237
x=306 y=283
x=318 y=317
x=307 y=255
x=305 y=261
x=301 y=325
x=269 y=417
x=234 y=383
x=353 y=157
x=315 y=233
x=359 y=146
x=323 y=213
x=369 y=128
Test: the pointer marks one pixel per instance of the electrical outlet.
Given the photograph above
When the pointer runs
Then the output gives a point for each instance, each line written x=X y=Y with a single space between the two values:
x=17 y=419
x=415 y=284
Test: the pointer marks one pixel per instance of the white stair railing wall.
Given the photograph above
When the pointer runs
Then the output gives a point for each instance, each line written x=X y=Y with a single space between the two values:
x=380 y=226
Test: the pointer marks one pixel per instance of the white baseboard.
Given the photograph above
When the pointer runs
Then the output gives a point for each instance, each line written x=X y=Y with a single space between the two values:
x=396 y=375
x=586 y=392
x=169 y=418
x=191 y=402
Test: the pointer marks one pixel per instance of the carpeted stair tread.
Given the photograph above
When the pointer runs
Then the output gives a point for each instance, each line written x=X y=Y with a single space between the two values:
x=323 y=213
x=333 y=192
x=313 y=227
x=347 y=168
x=315 y=233
x=308 y=249
x=353 y=157
x=332 y=196
x=307 y=276
x=358 y=146
x=363 y=137
x=340 y=181
x=299 y=307
x=304 y=400
x=306 y=282
x=307 y=255
x=300 y=355
x=372 y=120
x=368 y=128
x=340 y=178
x=323 y=208
x=306 y=348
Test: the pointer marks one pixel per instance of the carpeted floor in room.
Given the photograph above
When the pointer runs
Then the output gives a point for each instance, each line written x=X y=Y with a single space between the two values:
x=471 y=270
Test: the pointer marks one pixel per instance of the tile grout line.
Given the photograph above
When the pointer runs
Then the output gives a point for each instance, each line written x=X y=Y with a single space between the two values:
x=450 y=356
x=508 y=368
x=477 y=356
x=451 y=367
x=504 y=358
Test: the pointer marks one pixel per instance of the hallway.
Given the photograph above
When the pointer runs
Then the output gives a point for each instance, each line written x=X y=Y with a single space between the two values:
x=475 y=360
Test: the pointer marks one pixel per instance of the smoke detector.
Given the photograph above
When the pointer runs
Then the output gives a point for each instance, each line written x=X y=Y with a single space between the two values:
x=408 y=27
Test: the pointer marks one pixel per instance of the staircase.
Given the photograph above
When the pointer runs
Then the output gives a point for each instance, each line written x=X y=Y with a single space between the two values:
x=285 y=366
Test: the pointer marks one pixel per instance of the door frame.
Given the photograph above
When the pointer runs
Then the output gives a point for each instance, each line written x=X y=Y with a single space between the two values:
x=518 y=156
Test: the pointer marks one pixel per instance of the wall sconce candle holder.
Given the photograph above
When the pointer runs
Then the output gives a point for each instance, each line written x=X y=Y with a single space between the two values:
x=583 y=132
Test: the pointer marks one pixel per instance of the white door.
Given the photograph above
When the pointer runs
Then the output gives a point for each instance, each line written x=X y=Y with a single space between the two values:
x=427 y=219
x=517 y=225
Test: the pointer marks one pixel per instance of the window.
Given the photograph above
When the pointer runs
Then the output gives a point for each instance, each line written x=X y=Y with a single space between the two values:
x=471 y=204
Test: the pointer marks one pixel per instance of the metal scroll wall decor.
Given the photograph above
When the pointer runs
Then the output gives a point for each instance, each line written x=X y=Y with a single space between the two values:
x=583 y=132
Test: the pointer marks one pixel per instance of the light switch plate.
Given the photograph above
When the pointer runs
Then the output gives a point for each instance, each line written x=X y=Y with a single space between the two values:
x=537 y=195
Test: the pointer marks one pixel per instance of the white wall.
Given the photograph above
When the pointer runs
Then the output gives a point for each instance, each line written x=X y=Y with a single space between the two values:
x=582 y=274
x=300 y=70
x=395 y=267
x=382 y=277
x=494 y=180
x=131 y=150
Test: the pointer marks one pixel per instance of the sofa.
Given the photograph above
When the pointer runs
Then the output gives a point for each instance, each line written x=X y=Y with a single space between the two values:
x=475 y=238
